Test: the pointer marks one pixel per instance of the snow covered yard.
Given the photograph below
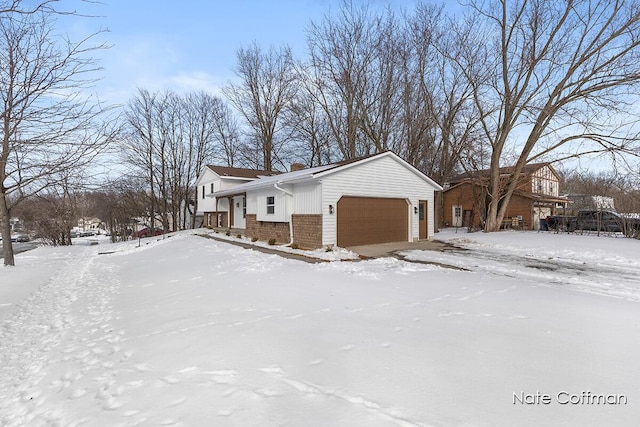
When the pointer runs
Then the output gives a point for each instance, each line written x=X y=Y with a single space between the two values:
x=192 y=331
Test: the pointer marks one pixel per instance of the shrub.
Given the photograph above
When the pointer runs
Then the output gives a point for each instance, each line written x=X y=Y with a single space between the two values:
x=254 y=239
x=228 y=233
x=272 y=242
x=239 y=236
x=294 y=246
x=328 y=249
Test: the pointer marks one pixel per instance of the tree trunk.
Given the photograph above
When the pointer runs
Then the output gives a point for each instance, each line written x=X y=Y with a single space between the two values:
x=5 y=224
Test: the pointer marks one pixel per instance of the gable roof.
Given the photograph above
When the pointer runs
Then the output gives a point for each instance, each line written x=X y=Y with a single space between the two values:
x=227 y=171
x=527 y=169
x=318 y=172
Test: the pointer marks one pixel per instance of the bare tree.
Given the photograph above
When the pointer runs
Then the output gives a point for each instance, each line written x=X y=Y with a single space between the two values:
x=342 y=59
x=48 y=124
x=267 y=85
x=171 y=137
x=548 y=76
x=308 y=125
x=139 y=145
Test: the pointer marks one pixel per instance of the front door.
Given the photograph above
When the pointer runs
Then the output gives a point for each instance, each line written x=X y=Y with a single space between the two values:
x=456 y=214
x=422 y=219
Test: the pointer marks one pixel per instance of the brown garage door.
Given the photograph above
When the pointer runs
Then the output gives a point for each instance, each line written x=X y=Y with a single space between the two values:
x=364 y=221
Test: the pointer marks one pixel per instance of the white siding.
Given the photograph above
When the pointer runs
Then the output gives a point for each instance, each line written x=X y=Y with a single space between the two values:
x=544 y=181
x=308 y=198
x=229 y=183
x=206 y=204
x=382 y=177
x=283 y=204
x=252 y=203
x=203 y=188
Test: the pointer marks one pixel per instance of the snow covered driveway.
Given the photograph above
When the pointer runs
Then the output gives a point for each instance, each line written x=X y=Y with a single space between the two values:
x=190 y=331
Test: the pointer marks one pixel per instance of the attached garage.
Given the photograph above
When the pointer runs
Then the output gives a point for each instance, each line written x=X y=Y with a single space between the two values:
x=375 y=199
x=369 y=220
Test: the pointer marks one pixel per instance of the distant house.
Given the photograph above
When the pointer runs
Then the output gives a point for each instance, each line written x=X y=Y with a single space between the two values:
x=590 y=202
x=88 y=223
x=536 y=197
x=212 y=212
x=376 y=199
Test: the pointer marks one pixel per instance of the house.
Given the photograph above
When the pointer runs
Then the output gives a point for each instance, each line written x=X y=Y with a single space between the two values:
x=375 y=199
x=590 y=202
x=536 y=197
x=224 y=213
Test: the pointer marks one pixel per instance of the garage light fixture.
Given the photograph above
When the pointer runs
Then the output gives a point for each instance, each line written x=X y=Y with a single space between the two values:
x=331 y=209
x=415 y=210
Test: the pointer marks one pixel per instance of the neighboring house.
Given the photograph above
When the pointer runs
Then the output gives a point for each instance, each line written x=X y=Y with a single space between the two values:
x=214 y=213
x=376 y=199
x=536 y=197
x=87 y=223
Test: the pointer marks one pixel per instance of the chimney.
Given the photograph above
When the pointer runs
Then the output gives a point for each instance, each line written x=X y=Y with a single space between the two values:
x=296 y=167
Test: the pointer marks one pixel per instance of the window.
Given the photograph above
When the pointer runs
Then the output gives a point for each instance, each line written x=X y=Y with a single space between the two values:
x=457 y=211
x=271 y=205
x=244 y=207
x=421 y=212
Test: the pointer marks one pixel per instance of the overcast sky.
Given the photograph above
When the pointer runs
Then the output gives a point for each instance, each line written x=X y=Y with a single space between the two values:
x=185 y=46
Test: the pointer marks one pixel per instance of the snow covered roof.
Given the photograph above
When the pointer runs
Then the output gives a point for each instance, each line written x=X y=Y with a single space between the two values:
x=225 y=171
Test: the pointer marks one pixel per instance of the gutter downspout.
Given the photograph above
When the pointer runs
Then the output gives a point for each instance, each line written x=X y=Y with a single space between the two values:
x=291 y=216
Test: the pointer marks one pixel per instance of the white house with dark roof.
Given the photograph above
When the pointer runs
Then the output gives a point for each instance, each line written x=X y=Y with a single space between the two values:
x=376 y=199
x=214 y=213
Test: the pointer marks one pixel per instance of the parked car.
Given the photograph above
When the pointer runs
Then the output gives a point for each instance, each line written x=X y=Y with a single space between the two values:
x=147 y=232
x=87 y=233
x=595 y=220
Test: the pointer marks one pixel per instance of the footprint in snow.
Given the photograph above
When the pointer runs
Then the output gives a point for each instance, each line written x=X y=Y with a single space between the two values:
x=295 y=316
x=316 y=362
x=171 y=380
x=272 y=370
x=78 y=393
x=178 y=401
x=111 y=404
x=517 y=316
x=268 y=392
x=137 y=383
x=188 y=369
x=142 y=367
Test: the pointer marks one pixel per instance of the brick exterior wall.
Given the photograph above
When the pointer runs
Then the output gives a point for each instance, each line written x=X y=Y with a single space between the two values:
x=213 y=217
x=522 y=206
x=307 y=231
x=463 y=196
x=266 y=231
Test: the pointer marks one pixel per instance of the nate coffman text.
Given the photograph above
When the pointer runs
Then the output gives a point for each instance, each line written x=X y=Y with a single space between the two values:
x=584 y=397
